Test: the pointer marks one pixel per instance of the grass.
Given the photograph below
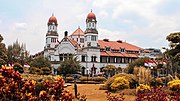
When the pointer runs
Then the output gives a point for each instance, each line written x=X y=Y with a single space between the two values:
x=93 y=93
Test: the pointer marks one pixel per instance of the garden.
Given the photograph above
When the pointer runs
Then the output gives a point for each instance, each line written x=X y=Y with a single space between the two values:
x=137 y=82
x=120 y=87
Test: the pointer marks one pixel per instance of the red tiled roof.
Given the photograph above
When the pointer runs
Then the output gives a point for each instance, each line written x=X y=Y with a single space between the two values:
x=122 y=54
x=110 y=53
x=133 y=55
x=118 y=45
x=78 y=32
x=74 y=43
x=104 y=54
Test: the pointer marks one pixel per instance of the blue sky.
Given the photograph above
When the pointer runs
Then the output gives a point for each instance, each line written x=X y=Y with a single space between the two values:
x=144 y=23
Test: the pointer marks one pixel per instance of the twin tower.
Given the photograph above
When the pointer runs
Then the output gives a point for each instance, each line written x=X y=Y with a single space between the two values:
x=90 y=34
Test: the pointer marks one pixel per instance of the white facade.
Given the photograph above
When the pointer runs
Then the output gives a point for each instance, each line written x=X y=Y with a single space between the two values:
x=84 y=45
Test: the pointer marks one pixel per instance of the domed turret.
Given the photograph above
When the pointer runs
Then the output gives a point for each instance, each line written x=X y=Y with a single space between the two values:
x=91 y=16
x=51 y=35
x=52 y=19
x=91 y=33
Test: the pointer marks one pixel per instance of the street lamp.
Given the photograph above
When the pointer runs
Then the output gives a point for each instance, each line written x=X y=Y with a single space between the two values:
x=87 y=73
x=87 y=67
x=75 y=86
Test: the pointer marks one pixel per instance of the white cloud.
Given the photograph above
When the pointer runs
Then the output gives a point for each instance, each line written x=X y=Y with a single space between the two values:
x=103 y=14
x=111 y=35
x=19 y=26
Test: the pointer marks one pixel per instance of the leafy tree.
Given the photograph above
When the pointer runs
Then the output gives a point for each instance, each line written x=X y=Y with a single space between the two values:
x=3 y=51
x=40 y=65
x=40 y=62
x=109 y=70
x=69 y=66
x=136 y=63
x=17 y=53
x=173 y=54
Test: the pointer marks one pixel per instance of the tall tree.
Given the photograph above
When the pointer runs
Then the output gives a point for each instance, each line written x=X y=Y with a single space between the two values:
x=3 y=52
x=69 y=66
x=17 y=53
x=40 y=65
x=40 y=62
x=173 y=54
x=109 y=70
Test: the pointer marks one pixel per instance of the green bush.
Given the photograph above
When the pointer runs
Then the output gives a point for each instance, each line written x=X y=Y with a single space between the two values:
x=85 y=78
x=41 y=71
x=97 y=79
x=46 y=70
x=38 y=78
x=18 y=67
x=32 y=70
x=119 y=83
x=69 y=79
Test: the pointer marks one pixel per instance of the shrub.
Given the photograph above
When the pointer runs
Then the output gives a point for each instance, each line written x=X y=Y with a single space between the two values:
x=158 y=94
x=38 y=78
x=133 y=82
x=159 y=82
x=14 y=88
x=143 y=88
x=39 y=87
x=154 y=94
x=46 y=70
x=108 y=83
x=131 y=78
x=119 y=83
x=97 y=79
x=114 y=97
x=174 y=85
x=69 y=79
x=32 y=70
x=81 y=97
x=85 y=78
x=18 y=67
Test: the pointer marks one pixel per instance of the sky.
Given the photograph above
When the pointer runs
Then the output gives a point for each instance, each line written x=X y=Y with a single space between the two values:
x=144 y=23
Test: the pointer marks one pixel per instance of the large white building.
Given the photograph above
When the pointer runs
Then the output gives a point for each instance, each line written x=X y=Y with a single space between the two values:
x=91 y=51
